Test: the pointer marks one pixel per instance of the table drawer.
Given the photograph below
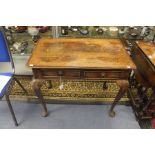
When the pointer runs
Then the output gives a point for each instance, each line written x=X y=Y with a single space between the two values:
x=106 y=74
x=58 y=72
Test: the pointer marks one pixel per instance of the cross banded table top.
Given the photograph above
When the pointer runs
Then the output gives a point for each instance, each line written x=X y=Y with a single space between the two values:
x=80 y=53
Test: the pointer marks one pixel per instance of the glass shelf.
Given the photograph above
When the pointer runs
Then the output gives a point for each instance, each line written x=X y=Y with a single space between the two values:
x=22 y=42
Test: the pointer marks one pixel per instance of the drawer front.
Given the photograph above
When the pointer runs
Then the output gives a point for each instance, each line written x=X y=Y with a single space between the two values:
x=50 y=73
x=106 y=75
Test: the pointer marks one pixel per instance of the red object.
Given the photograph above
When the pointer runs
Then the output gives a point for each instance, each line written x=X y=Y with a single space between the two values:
x=151 y=110
x=21 y=29
x=42 y=29
x=153 y=123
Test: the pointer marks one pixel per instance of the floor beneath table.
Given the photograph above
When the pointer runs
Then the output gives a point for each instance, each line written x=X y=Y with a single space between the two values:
x=67 y=116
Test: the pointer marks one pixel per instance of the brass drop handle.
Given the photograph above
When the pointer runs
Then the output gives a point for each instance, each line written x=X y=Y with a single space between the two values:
x=60 y=73
x=103 y=74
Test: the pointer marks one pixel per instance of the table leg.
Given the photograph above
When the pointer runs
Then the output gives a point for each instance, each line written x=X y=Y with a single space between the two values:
x=149 y=101
x=123 y=85
x=49 y=84
x=105 y=85
x=36 y=85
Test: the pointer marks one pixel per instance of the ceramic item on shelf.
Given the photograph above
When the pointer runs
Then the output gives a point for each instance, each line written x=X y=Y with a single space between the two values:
x=8 y=31
x=19 y=47
x=113 y=31
x=134 y=32
x=145 y=31
x=20 y=29
x=43 y=29
x=150 y=36
x=99 y=31
x=83 y=31
x=10 y=39
x=104 y=29
x=121 y=31
x=64 y=30
x=73 y=28
x=34 y=32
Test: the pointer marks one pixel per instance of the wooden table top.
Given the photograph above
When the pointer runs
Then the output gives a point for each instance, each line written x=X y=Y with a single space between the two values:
x=80 y=53
x=149 y=49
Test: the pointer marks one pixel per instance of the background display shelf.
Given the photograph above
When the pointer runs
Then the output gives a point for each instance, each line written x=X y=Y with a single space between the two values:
x=22 y=40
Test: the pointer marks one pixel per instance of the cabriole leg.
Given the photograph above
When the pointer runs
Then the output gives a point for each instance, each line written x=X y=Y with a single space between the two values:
x=36 y=85
x=123 y=85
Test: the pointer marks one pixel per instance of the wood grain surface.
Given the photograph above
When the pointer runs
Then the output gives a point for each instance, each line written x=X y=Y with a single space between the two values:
x=149 y=49
x=80 y=53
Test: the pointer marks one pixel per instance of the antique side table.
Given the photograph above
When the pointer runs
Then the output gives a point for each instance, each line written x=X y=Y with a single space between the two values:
x=80 y=59
x=143 y=55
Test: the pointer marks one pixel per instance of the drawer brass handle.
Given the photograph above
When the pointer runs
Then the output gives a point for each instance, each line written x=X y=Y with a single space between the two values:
x=60 y=73
x=103 y=74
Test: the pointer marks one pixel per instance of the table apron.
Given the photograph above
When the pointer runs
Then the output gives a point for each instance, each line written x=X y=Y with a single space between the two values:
x=77 y=74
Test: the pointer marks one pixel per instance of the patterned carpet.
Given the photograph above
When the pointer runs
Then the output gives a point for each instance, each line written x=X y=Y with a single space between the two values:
x=73 y=90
